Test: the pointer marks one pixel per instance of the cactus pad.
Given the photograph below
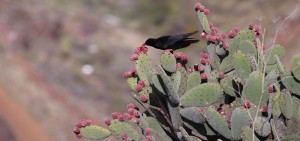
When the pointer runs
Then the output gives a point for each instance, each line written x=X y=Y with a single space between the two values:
x=286 y=105
x=277 y=50
x=218 y=123
x=244 y=34
x=247 y=47
x=204 y=22
x=142 y=66
x=168 y=62
x=117 y=128
x=253 y=89
x=193 y=80
x=262 y=127
x=132 y=82
x=193 y=114
x=295 y=64
x=247 y=134
x=242 y=66
x=202 y=95
x=239 y=119
x=183 y=83
x=93 y=132
x=290 y=83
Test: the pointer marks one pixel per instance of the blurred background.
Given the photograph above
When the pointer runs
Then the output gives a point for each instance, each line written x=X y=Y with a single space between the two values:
x=63 y=60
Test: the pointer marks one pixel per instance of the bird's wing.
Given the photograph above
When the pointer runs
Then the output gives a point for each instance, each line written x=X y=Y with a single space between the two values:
x=162 y=41
x=176 y=38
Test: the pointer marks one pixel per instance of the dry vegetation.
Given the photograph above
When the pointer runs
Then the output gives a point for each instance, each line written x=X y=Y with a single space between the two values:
x=44 y=44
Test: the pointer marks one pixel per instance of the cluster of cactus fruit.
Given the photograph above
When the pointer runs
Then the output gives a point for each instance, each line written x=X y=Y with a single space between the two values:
x=237 y=91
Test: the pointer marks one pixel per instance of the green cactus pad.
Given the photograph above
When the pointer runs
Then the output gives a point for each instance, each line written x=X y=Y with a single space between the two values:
x=193 y=138
x=93 y=132
x=295 y=64
x=217 y=122
x=247 y=134
x=262 y=127
x=239 y=119
x=291 y=138
x=275 y=105
x=204 y=22
x=226 y=84
x=202 y=95
x=143 y=67
x=132 y=82
x=193 y=114
x=228 y=109
x=183 y=84
x=278 y=128
x=277 y=50
x=273 y=67
x=253 y=89
x=296 y=107
x=293 y=126
x=213 y=57
x=244 y=34
x=157 y=130
x=242 y=66
x=227 y=64
x=247 y=47
x=193 y=80
x=176 y=77
x=175 y=116
x=290 y=83
x=286 y=105
x=170 y=89
x=168 y=62
x=117 y=128
x=158 y=84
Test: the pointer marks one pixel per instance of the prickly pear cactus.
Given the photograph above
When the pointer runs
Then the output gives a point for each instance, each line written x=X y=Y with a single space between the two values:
x=237 y=91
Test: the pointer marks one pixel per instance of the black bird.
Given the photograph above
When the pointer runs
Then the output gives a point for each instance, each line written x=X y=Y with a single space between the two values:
x=173 y=42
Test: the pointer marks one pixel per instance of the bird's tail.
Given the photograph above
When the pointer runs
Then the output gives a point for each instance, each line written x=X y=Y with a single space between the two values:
x=190 y=34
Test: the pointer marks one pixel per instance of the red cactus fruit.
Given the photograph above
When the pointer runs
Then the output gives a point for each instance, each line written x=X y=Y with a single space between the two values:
x=89 y=122
x=143 y=98
x=134 y=57
x=144 y=49
x=147 y=131
x=184 y=59
x=231 y=34
x=203 y=61
x=147 y=138
x=225 y=45
x=114 y=115
x=203 y=35
x=197 y=6
x=190 y=69
x=128 y=116
x=78 y=136
x=138 y=88
x=209 y=37
x=221 y=75
x=213 y=33
x=264 y=108
x=83 y=122
x=270 y=89
x=141 y=82
x=201 y=109
x=206 y=11
x=203 y=76
x=130 y=111
x=178 y=65
x=127 y=74
x=202 y=8
x=132 y=71
x=130 y=105
x=76 y=130
x=136 y=114
x=251 y=26
x=124 y=136
x=236 y=29
x=135 y=120
x=107 y=121
x=200 y=68
x=215 y=29
x=247 y=104
x=121 y=118
x=179 y=55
